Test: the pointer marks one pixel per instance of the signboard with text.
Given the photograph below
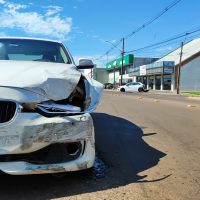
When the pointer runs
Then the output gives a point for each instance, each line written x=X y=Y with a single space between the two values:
x=143 y=70
x=128 y=60
x=168 y=70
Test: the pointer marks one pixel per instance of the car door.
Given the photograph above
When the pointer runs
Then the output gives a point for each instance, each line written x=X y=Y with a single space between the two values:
x=127 y=87
x=131 y=87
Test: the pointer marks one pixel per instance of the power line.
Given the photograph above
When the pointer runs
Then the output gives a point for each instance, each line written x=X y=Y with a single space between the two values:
x=115 y=57
x=153 y=19
x=170 y=41
x=171 y=5
x=107 y=52
x=177 y=42
x=165 y=41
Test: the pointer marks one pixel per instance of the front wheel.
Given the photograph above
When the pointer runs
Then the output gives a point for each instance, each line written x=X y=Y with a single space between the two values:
x=122 y=90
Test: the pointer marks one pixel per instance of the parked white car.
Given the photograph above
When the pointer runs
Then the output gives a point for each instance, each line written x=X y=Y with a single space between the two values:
x=132 y=87
x=45 y=101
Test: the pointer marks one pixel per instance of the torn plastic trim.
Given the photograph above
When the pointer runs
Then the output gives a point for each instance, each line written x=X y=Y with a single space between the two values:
x=51 y=109
x=70 y=110
x=58 y=108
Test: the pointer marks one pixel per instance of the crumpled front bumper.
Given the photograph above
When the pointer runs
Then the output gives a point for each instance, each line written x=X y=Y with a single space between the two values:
x=30 y=132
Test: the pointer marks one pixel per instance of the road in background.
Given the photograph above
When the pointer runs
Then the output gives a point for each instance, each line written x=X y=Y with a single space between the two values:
x=150 y=146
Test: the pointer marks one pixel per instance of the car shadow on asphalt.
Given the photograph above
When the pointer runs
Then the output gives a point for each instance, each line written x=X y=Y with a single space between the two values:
x=121 y=148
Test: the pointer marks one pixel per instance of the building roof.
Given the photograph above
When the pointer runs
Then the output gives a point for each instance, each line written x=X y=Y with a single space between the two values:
x=189 y=50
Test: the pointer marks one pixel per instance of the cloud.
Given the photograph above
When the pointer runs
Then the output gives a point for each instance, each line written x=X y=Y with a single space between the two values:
x=164 y=49
x=16 y=16
x=2 y=1
x=52 y=10
x=76 y=29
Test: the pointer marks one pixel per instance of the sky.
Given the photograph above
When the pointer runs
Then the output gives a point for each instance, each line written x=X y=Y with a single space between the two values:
x=85 y=25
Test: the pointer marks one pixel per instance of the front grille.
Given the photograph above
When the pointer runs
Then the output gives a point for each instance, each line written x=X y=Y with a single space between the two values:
x=7 y=111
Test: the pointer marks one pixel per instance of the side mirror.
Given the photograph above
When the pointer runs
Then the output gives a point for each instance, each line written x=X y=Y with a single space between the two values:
x=85 y=64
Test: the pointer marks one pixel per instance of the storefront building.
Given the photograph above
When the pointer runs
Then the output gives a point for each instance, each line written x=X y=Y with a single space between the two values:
x=161 y=74
x=130 y=63
x=190 y=65
x=114 y=69
x=156 y=76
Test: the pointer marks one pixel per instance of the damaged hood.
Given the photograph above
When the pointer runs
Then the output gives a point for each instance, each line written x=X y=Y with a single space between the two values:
x=48 y=80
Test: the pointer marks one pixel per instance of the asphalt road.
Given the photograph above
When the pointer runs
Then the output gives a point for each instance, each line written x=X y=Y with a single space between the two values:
x=149 y=144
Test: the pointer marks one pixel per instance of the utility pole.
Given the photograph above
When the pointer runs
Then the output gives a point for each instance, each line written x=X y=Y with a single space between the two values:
x=114 y=74
x=179 y=70
x=122 y=62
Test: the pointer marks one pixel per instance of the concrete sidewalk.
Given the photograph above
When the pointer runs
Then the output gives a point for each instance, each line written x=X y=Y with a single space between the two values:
x=165 y=92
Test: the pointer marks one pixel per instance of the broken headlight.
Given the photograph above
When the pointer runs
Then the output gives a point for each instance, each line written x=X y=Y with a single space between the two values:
x=51 y=109
x=74 y=104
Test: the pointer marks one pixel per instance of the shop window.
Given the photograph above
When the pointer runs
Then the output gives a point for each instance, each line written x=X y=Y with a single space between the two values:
x=145 y=81
x=167 y=79
x=139 y=79
x=151 y=82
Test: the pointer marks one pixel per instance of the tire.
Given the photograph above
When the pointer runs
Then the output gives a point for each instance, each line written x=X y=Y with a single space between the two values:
x=122 y=90
x=140 y=89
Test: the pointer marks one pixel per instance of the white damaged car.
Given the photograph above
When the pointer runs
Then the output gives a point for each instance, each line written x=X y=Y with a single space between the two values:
x=45 y=101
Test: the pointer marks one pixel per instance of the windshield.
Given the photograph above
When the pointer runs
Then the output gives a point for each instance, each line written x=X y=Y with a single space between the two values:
x=33 y=50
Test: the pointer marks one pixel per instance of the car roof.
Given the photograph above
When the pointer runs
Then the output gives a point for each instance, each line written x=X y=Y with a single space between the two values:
x=135 y=82
x=30 y=38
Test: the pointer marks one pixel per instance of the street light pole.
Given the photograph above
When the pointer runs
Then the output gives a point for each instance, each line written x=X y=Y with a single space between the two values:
x=122 y=65
x=122 y=54
x=107 y=57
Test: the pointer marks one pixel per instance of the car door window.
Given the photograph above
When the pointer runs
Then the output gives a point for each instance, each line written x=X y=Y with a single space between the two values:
x=131 y=86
